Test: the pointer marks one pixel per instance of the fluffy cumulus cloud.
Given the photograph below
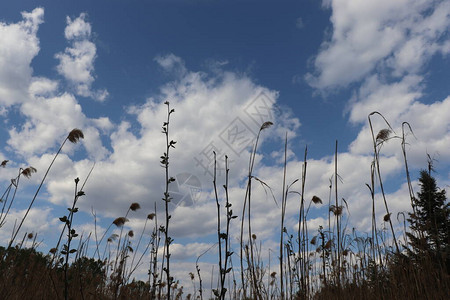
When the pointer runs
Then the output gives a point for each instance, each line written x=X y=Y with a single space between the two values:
x=368 y=36
x=39 y=222
x=49 y=114
x=76 y=64
x=18 y=46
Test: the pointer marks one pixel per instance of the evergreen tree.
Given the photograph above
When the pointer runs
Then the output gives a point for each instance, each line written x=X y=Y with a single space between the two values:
x=430 y=224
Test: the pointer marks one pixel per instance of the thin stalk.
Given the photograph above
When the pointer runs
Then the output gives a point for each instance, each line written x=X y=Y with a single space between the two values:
x=283 y=212
x=377 y=163
x=73 y=137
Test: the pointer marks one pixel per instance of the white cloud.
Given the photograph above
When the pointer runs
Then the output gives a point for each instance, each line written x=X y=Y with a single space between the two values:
x=41 y=86
x=172 y=64
x=76 y=64
x=48 y=114
x=39 y=221
x=78 y=28
x=368 y=36
x=49 y=121
x=18 y=46
x=391 y=99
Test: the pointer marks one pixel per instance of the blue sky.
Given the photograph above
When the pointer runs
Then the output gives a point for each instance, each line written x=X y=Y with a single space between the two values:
x=319 y=68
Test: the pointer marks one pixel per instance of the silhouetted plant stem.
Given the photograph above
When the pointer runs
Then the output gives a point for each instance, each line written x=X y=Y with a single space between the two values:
x=408 y=177
x=337 y=215
x=165 y=163
x=247 y=200
x=223 y=270
x=73 y=137
x=283 y=211
x=377 y=165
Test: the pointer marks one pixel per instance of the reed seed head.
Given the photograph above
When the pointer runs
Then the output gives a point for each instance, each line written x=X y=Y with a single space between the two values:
x=383 y=135
x=130 y=233
x=75 y=135
x=30 y=236
x=387 y=217
x=120 y=221
x=336 y=210
x=266 y=125
x=113 y=237
x=3 y=164
x=53 y=250
x=28 y=171
x=135 y=206
x=316 y=200
x=151 y=216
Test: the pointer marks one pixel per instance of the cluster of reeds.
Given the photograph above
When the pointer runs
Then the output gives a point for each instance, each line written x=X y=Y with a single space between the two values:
x=329 y=262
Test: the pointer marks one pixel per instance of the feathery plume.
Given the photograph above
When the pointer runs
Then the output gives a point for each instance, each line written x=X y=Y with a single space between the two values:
x=135 y=206
x=383 y=135
x=28 y=171
x=75 y=135
x=120 y=221
x=316 y=200
x=266 y=125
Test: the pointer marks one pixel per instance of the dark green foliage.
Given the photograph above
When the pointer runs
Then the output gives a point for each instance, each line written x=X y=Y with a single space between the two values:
x=430 y=224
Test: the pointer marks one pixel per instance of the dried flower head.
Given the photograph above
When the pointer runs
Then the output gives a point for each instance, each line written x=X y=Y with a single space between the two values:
x=28 y=171
x=387 y=217
x=327 y=245
x=130 y=233
x=266 y=125
x=120 y=221
x=3 y=164
x=30 y=236
x=316 y=200
x=314 y=240
x=135 y=206
x=336 y=210
x=151 y=216
x=254 y=236
x=383 y=135
x=75 y=135
x=113 y=237
x=53 y=250
x=273 y=274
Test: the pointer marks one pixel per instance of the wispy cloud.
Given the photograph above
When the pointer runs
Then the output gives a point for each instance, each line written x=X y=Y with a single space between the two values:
x=76 y=64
